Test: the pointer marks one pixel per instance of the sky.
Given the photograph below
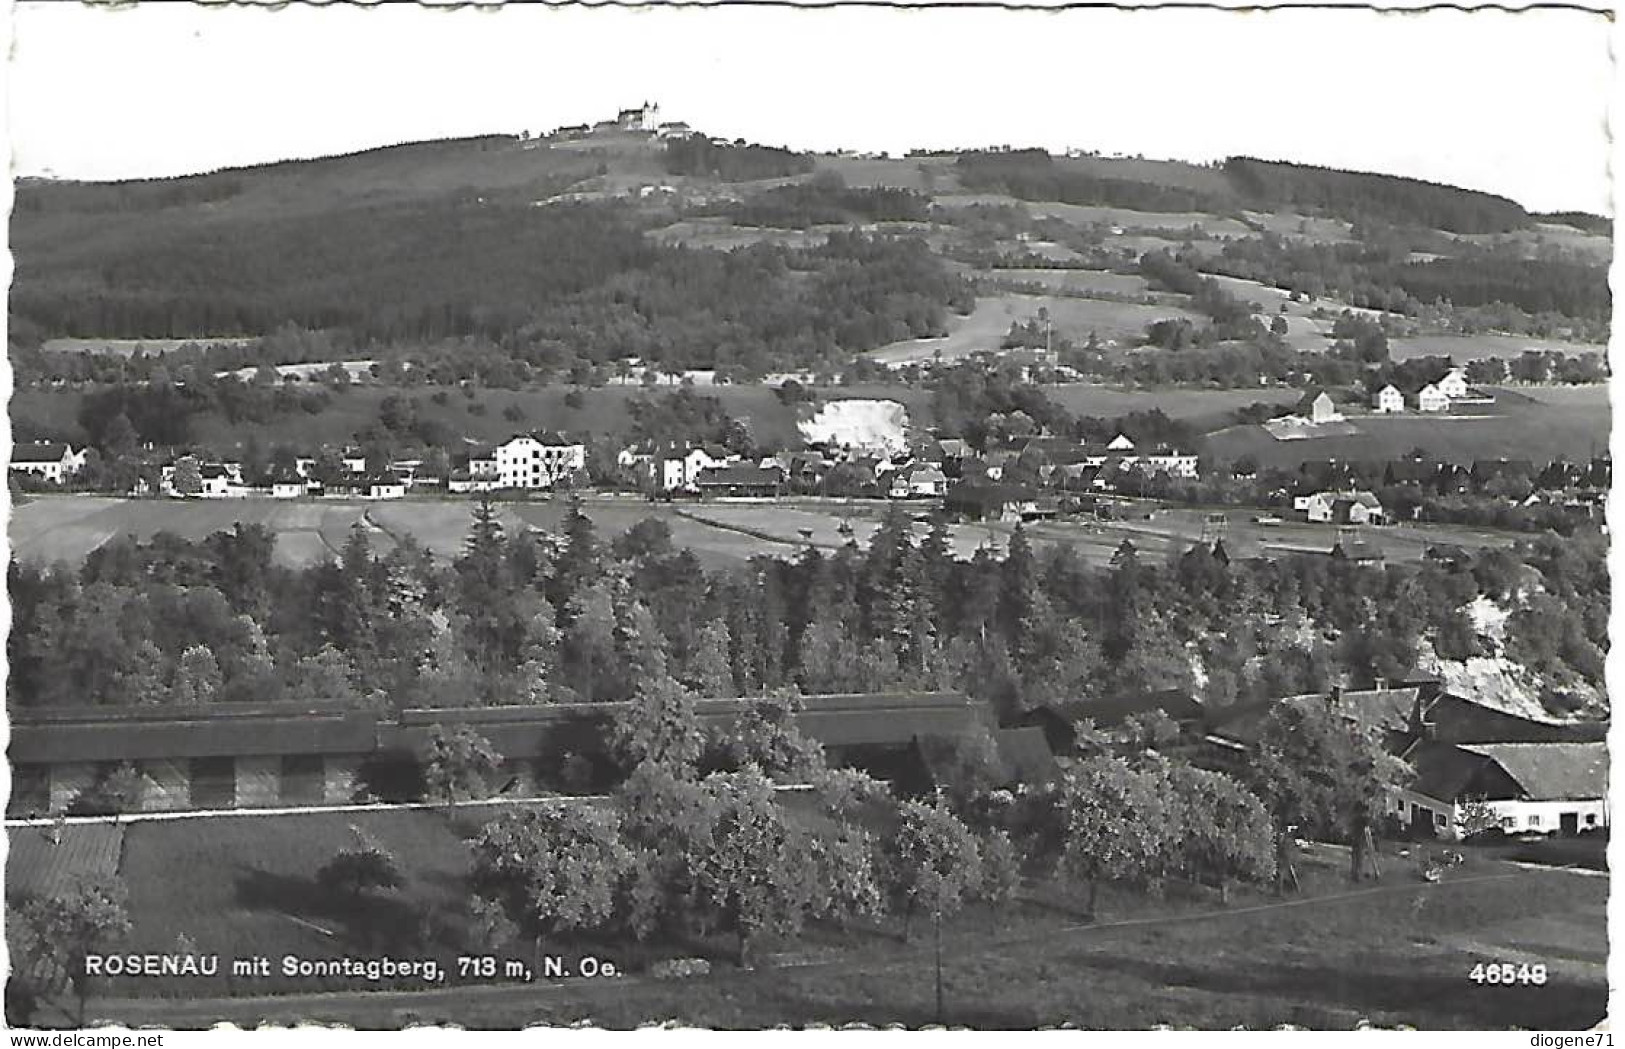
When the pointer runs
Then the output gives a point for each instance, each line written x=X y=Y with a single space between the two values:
x=1510 y=103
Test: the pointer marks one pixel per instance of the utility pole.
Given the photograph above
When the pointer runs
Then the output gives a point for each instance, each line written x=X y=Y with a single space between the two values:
x=936 y=921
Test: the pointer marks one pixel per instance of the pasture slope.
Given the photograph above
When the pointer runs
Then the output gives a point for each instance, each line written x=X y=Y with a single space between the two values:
x=1395 y=952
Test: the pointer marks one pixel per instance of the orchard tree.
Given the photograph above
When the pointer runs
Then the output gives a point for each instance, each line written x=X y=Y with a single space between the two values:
x=766 y=735
x=1323 y=773
x=934 y=861
x=1227 y=834
x=845 y=874
x=459 y=765
x=1114 y=823
x=659 y=726
x=755 y=872
x=197 y=678
x=552 y=870
x=90 y=917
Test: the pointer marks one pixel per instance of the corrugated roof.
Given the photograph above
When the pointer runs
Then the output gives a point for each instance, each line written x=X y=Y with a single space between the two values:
x=1551 y=771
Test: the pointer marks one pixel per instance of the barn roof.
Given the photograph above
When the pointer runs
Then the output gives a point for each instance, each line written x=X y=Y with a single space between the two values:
x=1551 y=771
x=89 y=734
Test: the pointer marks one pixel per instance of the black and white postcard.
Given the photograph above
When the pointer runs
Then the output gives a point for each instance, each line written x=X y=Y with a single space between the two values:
x=748 y=518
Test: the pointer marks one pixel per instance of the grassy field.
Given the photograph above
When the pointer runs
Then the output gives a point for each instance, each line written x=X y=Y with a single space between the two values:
x=243 y=886
x=985 y=326
x=35 y=866
x=68 y=528
x=1397 y=952
x=1077 y=282
x=1530 y=424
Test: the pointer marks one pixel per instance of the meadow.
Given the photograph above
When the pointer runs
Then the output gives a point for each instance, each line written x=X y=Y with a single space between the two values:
x=1331 y=957
x=985 y=327
x=1537 y=424
x=241 y=886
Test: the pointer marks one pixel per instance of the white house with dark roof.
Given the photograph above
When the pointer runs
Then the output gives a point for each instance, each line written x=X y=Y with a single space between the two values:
x=1454 y=384
x=1530 y=788
x=52 y=461
x=1432 y=399
x=1388 y=400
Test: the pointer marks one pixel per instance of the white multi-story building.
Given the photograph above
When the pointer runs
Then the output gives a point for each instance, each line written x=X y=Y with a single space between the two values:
x=534 y=460
x=1389 y=400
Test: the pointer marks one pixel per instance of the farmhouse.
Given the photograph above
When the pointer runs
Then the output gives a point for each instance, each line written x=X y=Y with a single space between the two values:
x=669 y=467
x=740 y=479
x=311 y=754
x=926 y=481
x=1524 y=788
x=1388 y=400
x=51 y=461
x=1358 y=551
x=1345 y=508
x=1431 y=399
x=991 y=502
x=1454 y=384
x=1317 y=407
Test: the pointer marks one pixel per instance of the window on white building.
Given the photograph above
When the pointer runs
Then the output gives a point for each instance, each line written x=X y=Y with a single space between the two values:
x=1534 y=820
x=1508 y=822
x=1438 y=819
x=1591 y=819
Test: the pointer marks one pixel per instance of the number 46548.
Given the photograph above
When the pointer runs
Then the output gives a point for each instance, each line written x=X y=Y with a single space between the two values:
x=1506 y=973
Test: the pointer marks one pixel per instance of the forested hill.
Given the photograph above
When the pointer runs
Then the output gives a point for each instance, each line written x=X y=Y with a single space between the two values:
x=693 y=253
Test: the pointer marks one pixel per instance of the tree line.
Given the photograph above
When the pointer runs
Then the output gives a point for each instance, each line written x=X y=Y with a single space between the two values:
x=536 y=618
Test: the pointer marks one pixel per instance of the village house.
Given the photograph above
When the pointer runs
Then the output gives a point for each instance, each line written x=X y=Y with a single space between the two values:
x=222 y=481
x=1358 y=552
x=1431 y=399
x=51 y=461
x=1317 y=406
x=1523 y=788
x=669 y=467
x=537 y=460
x=740 y=480
x=991 y=502
x=1454 y=384
x=1388 y=400
x=1344 y=508
x=922 y=481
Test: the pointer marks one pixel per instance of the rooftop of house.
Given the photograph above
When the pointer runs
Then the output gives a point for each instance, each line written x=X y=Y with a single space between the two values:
x=1551 y=771
x=1358 y=550
x=39 y=452
x=740 y=474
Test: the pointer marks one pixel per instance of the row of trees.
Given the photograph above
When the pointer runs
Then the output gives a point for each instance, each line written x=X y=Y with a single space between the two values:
x=525 y=617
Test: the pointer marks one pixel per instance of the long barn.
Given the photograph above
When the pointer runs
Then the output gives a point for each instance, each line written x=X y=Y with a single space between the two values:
x=311 y=754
